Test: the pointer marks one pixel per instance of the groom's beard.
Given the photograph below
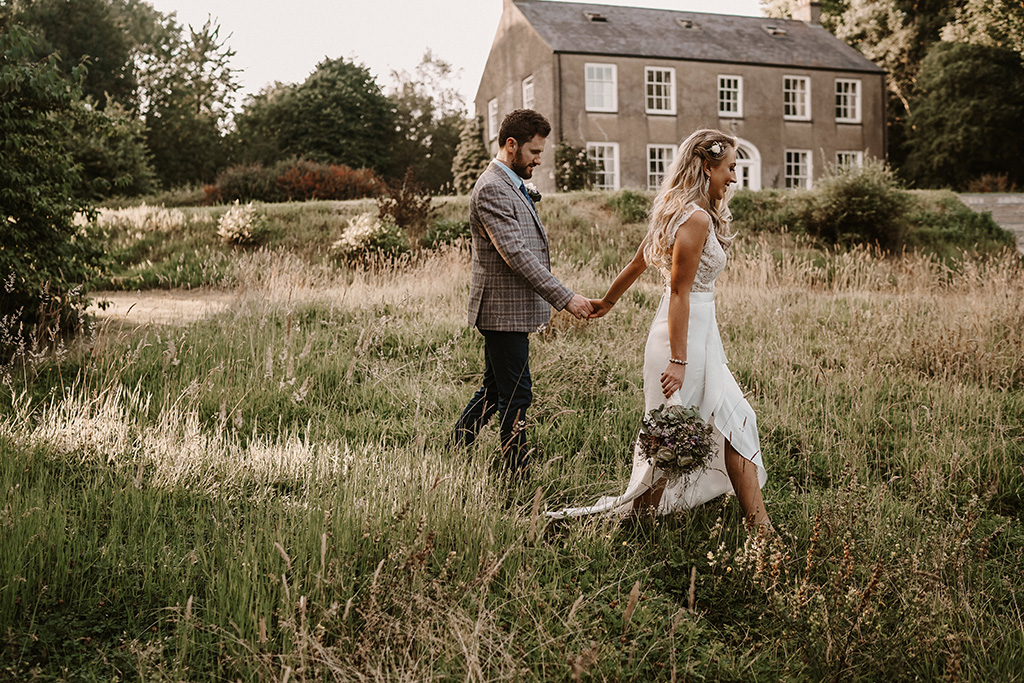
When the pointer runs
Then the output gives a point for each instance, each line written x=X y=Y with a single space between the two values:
x=521 y=167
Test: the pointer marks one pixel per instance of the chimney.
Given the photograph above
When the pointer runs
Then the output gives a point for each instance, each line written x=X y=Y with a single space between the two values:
x=808 y=10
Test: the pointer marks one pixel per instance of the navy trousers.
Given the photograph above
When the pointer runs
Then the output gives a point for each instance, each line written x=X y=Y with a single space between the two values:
x=507 y=390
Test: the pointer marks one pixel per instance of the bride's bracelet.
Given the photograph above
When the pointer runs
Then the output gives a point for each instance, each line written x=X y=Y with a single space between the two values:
x=677 y=361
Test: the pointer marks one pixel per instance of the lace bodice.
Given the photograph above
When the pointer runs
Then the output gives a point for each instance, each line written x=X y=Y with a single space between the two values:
x=712 y=259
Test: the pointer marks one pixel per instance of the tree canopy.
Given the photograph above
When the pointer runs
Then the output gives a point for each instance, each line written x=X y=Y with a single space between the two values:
x=338 y=115
x=89 y=32
x=169 y=88
x=969 y=105
x=429 y=115
x=187 y=98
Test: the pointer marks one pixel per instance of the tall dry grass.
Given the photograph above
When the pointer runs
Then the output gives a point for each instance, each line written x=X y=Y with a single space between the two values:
x=264 y=494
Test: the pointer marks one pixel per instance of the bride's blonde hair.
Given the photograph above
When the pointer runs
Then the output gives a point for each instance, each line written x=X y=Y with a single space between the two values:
x=685 y=183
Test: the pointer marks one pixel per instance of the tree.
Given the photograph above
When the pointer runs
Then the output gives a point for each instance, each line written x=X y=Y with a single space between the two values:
x=178 y=81
x=257 y=136
x=110 y=148
x=85 y=31
x=187 y=90
x=42 y=255
x=429 y=114
x=338 y=115
x=996 y=23
x=188 y=87
x=471 y=157
x=969 y=106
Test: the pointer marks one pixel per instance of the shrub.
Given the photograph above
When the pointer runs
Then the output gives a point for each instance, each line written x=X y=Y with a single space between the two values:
x=574 y=169
x=246 y=184
x=445 y=231
x=632 y=207
x=862 y=205
x=769 y=210
x=293 y=180
x=139 y=220
x=407 y=203
x=367 y=237
x=942 y=224
x=184 y=195
x=991 y=182
x=241 y=225
x=471 y=157
x=306 y=180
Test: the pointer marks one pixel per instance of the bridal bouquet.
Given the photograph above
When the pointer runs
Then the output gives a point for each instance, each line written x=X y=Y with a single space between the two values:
x=675 y=439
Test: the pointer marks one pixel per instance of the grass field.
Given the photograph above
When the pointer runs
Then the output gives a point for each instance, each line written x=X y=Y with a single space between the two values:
x=263 y=494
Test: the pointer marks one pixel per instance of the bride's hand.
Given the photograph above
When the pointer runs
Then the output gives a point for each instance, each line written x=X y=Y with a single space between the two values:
x=672 y=379
x=601 y=306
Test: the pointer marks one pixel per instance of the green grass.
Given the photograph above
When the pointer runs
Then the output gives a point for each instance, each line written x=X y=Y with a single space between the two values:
x=264 y=493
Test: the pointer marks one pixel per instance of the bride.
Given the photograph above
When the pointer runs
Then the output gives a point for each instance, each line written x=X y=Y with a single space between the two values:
x=684 y=361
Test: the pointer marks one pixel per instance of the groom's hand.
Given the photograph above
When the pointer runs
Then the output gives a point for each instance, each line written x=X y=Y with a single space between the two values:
x=579 y=306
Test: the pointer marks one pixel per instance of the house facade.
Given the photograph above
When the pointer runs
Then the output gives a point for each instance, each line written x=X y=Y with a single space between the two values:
x=629 y=84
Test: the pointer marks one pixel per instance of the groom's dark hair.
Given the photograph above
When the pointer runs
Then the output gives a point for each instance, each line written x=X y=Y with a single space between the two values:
x=523 y=124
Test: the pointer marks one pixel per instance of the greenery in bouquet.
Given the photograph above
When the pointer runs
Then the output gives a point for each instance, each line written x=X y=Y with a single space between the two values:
x=676 y=440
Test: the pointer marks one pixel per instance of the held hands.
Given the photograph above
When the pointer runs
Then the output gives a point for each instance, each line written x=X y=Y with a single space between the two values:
x=601 y=307
x=672 y=379
x=579 y=306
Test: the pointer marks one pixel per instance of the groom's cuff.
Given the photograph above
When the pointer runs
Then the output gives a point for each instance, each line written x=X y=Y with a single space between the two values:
x=564 y=296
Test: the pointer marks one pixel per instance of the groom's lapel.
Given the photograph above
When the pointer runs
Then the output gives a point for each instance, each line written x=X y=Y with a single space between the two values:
x=515 y=189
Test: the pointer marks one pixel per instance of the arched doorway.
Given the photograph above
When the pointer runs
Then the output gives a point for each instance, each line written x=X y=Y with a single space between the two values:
x=748 y=165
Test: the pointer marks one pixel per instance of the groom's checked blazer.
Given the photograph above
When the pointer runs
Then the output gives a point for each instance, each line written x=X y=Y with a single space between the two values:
x=511 y=287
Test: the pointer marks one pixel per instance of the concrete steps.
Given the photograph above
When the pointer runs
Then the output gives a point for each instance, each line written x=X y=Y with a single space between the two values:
x=1007 y=210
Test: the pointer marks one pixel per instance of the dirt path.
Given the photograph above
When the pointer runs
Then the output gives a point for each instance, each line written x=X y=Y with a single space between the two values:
x=159 y=306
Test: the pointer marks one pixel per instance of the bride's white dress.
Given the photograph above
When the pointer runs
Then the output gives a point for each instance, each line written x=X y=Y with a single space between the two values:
x=708 y=384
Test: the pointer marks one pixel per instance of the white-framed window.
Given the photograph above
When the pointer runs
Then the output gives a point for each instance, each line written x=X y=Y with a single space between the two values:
x=602 y=87
x=492 y=118
x=848 y=100
x=659 y=158
x=528 y=92
x=796 y=98
x=730 y=96
x=851 y=159
x=798 y=169
x=606 y=160
x=660 y=86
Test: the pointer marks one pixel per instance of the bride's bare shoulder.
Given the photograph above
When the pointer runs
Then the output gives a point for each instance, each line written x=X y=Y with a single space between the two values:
x=694 y=225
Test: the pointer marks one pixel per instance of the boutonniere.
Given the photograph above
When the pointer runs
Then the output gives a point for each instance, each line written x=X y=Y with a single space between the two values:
x=531 y=190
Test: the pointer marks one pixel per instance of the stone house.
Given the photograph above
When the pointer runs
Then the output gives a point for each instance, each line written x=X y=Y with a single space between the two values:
x=630 y=84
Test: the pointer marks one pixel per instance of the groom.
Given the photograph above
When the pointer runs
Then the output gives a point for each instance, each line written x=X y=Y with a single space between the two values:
x=511 y=287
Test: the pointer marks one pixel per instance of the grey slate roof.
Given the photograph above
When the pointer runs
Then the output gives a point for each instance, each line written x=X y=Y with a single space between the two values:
x=638 y=32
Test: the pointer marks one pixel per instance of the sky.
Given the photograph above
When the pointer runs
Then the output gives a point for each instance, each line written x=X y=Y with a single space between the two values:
x=284 y=41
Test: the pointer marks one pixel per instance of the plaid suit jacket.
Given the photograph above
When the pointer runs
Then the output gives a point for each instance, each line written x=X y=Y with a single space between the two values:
x=511 y=288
